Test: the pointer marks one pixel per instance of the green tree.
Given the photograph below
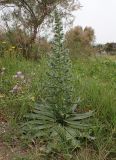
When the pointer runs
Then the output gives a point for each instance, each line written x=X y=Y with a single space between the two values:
x=31 y=14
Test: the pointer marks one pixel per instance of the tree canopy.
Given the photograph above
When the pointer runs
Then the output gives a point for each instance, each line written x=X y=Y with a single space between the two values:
x=31 y=14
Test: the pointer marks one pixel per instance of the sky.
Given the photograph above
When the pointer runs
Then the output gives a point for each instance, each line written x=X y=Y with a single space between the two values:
x=101 y=16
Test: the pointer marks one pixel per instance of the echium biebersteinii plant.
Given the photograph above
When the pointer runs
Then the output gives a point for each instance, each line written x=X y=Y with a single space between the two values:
x=59 y=87
x=56 y=115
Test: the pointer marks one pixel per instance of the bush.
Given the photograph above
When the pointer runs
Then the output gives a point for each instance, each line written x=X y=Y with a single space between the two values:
x=79 y=41
x=17 y=44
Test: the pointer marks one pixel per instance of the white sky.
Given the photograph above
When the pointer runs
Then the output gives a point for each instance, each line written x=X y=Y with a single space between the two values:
x=101 y=16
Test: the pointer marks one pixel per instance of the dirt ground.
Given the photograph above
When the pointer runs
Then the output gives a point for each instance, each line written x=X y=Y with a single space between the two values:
x=7 y=152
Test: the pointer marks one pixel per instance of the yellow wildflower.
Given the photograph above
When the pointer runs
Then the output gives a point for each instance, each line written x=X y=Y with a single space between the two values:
x=33 y=99
x=13 y=47
x=2 y=95
x=4 y=42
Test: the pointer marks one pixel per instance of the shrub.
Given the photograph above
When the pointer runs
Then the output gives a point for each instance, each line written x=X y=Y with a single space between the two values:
x=79 y=41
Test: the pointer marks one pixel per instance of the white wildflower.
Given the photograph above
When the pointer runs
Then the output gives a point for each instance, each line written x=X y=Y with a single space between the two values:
x=3 y=69
x=16 y=89
x=15 y=76
x=19 y=73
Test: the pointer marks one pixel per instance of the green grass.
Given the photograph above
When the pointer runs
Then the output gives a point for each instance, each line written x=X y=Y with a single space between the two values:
x=33 y=72
x=94 y=82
